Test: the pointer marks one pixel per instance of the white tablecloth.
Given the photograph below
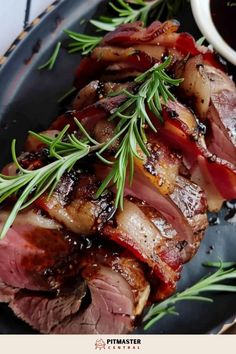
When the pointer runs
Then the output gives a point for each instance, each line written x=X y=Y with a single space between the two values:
x=12 y=17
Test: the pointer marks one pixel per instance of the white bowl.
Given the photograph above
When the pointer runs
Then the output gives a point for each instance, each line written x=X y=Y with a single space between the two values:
x=202 y=14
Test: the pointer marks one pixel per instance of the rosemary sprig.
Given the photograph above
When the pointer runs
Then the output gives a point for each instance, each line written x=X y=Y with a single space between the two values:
x=219 y=264
x=132 y=119
x=33 y=183
x=212 y=283
x=67 y=94
x=152 y=89
x=128 y=12
x=201 y=40
x=82 y=42
x=51 y=61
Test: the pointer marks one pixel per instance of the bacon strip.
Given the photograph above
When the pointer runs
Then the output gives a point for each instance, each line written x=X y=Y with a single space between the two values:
x=180 y=136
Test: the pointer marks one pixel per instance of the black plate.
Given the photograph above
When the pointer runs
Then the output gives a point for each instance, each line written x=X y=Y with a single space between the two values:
x=28 y=100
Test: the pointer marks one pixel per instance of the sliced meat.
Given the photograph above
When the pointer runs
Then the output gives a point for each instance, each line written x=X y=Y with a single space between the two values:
x=32 y=248
x=196 y=85
x=73 y=204
x=222 y=114
x=137 y=233
x=212 y=94
x=161 y=167
x=133 y=272
x=32 y=144
x=135 y=33
x=44 y=311
x=201 y=176
x=98 y=69
x=28 y=160
x=218 y=142
x=181 y=136
x=143 y=189
x=192 y=201
x=27 y=252
x=117 y=289
x=124 y=263
x=96 y=90
x=132 y=49
x=111 y=310
x=7 y=293
x=90 y=115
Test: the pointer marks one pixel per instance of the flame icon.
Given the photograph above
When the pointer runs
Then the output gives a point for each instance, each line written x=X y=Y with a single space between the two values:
x=100 y=344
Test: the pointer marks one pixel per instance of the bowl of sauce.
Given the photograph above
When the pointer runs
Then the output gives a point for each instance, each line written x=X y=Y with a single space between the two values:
x=216 y=20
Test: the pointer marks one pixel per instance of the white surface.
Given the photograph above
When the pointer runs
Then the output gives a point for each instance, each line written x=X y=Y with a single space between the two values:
x=12 y=14
x=37 y=6
x=202 y=15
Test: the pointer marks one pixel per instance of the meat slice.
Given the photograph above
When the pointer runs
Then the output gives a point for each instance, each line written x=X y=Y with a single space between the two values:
x=7 y=293
x=192 y=201
x=161 y=167
x=111 y=310
x=181 y=135
x=74 y=205
x=44 y=311
x=109 y=254
x=134 y=273
x=212 y=94
x=196 y=85
x=31 y=248
x=96 y=90
x=132 y=49
x=136 y=232
x=109 y=290
x=32 y=144
x=222 y=114
x=27 y=252
x=28 y=160
x=141 y=228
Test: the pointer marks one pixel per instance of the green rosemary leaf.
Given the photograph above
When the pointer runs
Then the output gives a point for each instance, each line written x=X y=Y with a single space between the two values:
x=219 y=264
x=33 y=183
x=212 y=283
x=131 y=118
x=104 y=26
x=201 y=40
x=136 y=10
x=65 y=150
x=67 y=94
x=51 y=61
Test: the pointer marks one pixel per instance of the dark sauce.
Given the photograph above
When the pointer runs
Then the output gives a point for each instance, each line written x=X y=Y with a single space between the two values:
x=223 y=14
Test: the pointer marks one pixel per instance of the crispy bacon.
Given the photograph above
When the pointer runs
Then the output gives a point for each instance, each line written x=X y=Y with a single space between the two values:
x=222 y=113
x=136 y=233
x=212 y=94
x=97 y=90
x=196 y=85
x=182 y=137
x=135 y=33
x=161 y=167
x=139 y=61
x=135 y=49
x=74 y=206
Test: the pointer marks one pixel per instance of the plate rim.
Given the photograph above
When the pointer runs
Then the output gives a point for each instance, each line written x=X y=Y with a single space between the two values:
x=26 y=31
